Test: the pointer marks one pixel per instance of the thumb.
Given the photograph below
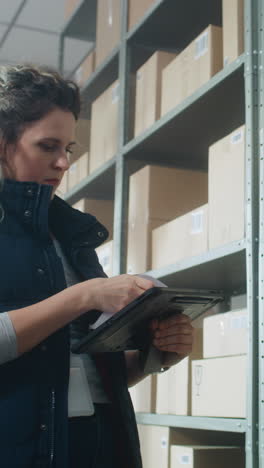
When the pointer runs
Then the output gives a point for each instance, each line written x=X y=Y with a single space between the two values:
x=144 y=283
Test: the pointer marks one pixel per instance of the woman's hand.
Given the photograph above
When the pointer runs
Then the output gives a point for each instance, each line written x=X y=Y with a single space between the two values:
x=112 y=294
x=174 y=336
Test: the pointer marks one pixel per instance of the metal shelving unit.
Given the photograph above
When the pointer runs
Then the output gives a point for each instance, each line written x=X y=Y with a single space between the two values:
x=236 y=268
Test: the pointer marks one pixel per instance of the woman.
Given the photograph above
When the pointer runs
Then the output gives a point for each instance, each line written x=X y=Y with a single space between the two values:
x=50 y=277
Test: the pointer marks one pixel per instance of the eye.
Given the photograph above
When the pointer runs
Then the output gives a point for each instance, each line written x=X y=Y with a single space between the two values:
x=69 y=150
x=47 y=147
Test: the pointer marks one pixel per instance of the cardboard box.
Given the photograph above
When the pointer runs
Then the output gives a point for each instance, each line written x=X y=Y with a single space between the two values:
x=85 y=69
x=82 y=137
x=105 y=256
x=156 y=195
x=83 y=166
x=233 y=29
x=174 y=386
x=136 y=9
x=103 y=210
x=219 y=387
x=69 y=7
x=192 y=68
x=181 y=238
x=108 y=30
x=226 y=334
x=227 y=189
x=73 y=175
x=148 y=90
x=143 y=395
x=78 y=170
x=206 y=457
x=104 y=127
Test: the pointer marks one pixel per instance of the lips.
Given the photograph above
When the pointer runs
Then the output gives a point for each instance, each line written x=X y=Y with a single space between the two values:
x=52 y=181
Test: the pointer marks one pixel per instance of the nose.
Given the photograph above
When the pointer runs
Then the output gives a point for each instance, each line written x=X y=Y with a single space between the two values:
x=62 y=161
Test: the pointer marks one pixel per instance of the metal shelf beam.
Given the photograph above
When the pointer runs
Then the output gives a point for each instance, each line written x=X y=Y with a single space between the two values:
x=223 y=268
x=193 y=422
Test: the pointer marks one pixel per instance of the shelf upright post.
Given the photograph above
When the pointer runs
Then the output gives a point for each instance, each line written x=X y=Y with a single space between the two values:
x=61 y=53
x=252 y=222
x=261 y=229
x=121 y=176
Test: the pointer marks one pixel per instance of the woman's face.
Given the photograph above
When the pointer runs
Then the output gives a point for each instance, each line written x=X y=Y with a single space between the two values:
x=41 y=152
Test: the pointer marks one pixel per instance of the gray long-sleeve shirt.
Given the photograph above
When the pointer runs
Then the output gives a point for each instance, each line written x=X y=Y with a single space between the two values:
x=8 y=340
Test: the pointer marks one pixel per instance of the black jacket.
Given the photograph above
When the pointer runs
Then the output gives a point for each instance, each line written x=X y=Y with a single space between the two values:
x=34 y=387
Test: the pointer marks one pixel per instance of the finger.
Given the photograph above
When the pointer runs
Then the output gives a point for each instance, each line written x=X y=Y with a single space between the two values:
x=173 y=320
x=143 y=283
x=181 y=349
x=174 y=330
x=171 y=340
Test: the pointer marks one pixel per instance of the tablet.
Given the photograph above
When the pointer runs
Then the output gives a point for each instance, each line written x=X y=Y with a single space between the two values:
x=128 y=329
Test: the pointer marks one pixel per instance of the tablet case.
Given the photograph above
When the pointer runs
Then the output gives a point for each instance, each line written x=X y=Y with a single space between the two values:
x=128 y=329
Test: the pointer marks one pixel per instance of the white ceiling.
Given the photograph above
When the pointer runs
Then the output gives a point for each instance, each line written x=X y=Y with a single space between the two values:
x=35 y=27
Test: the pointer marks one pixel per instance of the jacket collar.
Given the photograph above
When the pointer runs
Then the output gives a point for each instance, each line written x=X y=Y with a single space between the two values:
x=30 y=203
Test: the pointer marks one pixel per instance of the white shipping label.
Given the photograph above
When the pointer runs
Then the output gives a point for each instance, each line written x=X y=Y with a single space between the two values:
x=184 y=459
x=164 y=442
x=201 y=45
x=110 y=13
x=198 y=378
x=197 y=222
x=115 y=93
x=239 y=322
x=237 y=137
x=139 y=75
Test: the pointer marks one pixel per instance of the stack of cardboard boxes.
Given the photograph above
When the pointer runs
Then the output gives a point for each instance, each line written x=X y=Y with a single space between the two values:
x=214 y=385
x=164 y=447
x=166 y=79
x=219 y=379
x=156 y=195
x=104 y=127
x=169 y=218
x=193 y=67
x=211 y=381
x=174 y=386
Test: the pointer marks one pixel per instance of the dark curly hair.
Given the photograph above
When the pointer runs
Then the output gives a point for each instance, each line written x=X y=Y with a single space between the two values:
x=27 y=94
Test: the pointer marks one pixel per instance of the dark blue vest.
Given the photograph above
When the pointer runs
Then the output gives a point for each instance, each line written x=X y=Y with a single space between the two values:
x=34 y=387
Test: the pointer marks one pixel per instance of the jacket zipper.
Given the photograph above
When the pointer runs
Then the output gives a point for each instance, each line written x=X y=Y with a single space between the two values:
x=50 y=269
x=52 y=429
